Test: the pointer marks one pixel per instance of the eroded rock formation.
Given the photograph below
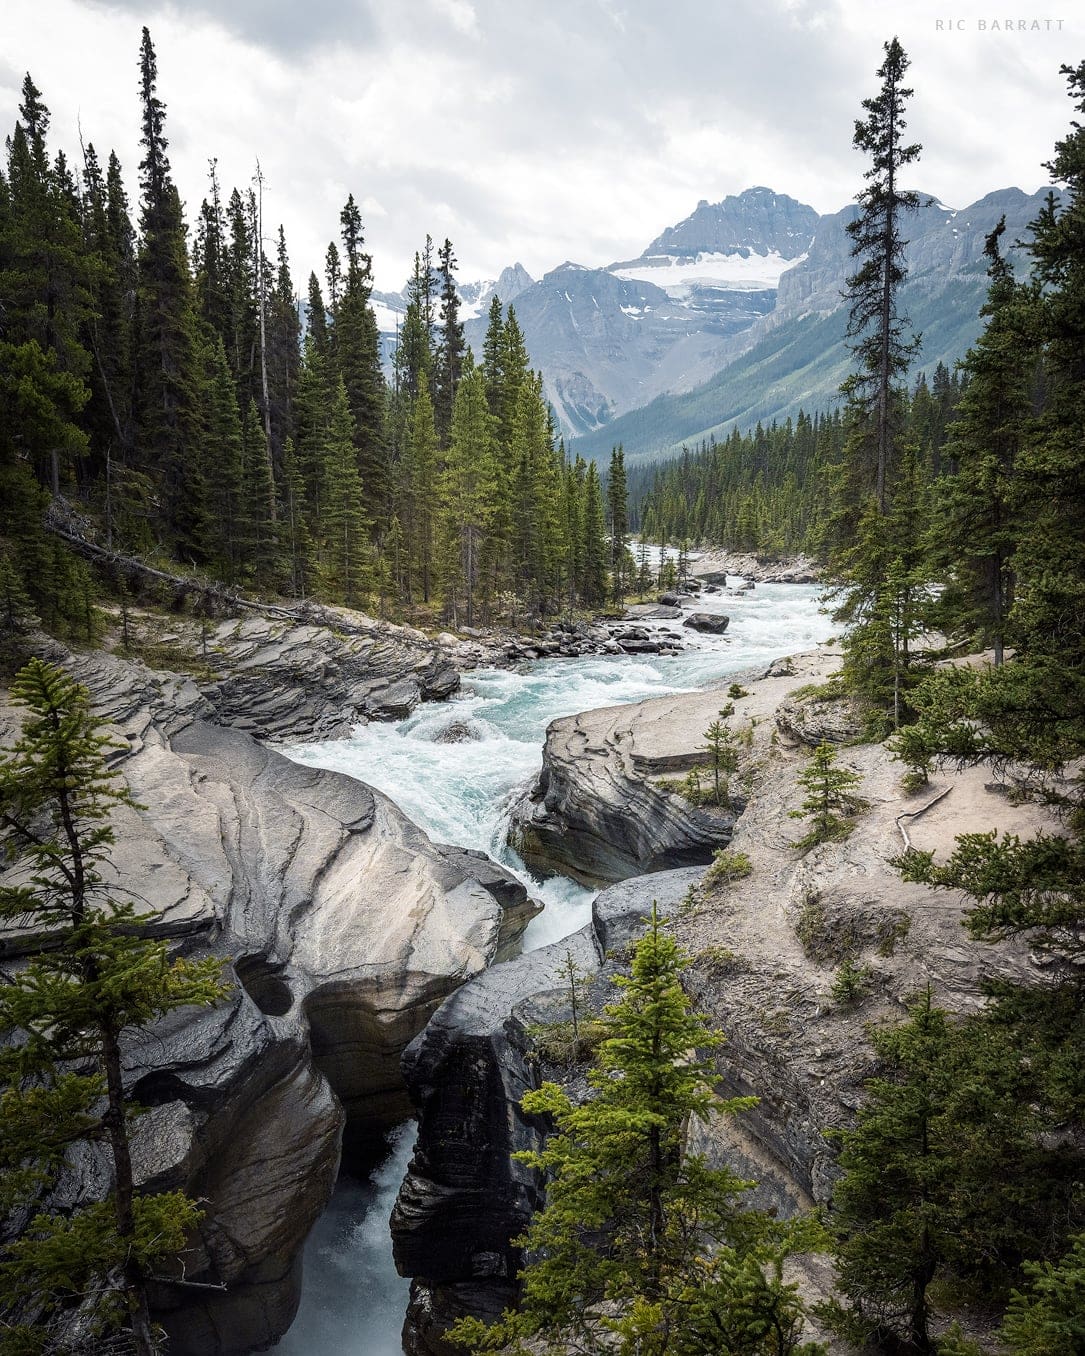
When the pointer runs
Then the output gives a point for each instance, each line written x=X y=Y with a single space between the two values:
x=348 y=928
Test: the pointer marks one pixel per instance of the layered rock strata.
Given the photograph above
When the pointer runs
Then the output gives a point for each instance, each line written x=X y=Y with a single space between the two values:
x=594 y=815
x=311 y=676
x=346 y=928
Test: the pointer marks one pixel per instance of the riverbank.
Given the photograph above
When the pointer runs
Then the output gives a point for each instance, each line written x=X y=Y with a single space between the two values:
x=769 y=940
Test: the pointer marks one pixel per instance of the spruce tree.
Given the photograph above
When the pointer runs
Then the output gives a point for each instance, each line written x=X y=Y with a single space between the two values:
x=344 y=527
x=70 y=1011
x=167 y=417
x=642 y=1247
x=423 y=506
x=877 y=331
x=593 y=588
x=448 y=365
x=831 y=799
x=980 y=506
x=618 y=523
x=467 y=494
x=356 y=344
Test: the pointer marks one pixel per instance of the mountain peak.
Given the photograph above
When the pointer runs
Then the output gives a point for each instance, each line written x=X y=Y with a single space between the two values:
x=758 y=220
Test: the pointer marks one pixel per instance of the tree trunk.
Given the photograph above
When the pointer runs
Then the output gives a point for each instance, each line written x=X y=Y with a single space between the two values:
x=139 y=1316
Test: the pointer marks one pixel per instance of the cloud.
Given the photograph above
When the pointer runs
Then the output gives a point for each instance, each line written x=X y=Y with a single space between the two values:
x=526 y=131
x=282 y=26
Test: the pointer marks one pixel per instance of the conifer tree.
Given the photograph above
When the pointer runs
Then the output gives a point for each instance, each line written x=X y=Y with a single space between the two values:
x=944 y=1176
x=166 y=365
x=423 y=506
x=642 y=1248
x=593 y=586
x=979 y=507
x=722 y=754
x=284 y=351
x=449 y=361
x=467 y=493
x=1048 y=1318
x=221 y=433
x=344 y=527
x=618 y=523
x=356 y=344
x=876 y=328
x=831 y=799
x=110 y=243
x=71 y=1010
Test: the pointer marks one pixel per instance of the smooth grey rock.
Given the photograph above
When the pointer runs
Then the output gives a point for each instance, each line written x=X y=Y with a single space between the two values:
x=594 y=814
x=347 y=928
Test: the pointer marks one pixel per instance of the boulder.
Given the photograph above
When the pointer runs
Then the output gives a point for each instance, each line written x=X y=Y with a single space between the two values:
x=713 y=623
x=393 y=702
x=652 y=612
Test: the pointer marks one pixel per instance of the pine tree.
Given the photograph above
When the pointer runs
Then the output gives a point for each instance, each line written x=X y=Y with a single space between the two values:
x=1048 y=1319
x=593 y=588
x=945 y=1175
x=71 y=1009
x=874 y=324
x=831 y=798
x=424 y=511
x=467 y=494
x=449 y=362
x=221 y=433
x=618 y=523
x=343 y=523
x=722 y=755
x=356 y=344
x=167 y=419
x=642 y=1248
x=980 y=506
x=110 y=244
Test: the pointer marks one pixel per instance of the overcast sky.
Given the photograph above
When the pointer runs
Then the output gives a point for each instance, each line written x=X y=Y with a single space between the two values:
x=542 y=130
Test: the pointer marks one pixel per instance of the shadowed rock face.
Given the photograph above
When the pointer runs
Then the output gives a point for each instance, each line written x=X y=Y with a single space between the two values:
x=349 y=928
x=464 y=1199
x=592 y=815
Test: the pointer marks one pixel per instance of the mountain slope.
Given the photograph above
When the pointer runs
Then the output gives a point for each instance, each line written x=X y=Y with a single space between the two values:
x=795 y=357
x=610 y=340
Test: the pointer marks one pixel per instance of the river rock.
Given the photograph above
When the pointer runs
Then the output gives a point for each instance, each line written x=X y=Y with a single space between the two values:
x=594 y=814
x=714 y=623
x=346 y=927
x=652 y=612
x=311 y=676
x=393 y=702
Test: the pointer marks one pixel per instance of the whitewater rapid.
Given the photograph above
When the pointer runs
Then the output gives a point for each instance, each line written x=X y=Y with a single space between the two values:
x=456 y=769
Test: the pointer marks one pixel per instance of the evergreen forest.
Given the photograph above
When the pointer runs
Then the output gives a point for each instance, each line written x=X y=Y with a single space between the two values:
x=184 y=406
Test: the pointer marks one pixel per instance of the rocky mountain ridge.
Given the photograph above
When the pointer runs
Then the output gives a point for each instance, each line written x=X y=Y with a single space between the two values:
x=732 y=315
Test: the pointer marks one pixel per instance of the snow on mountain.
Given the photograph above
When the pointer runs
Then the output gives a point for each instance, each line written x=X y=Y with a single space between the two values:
x=739 y=270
